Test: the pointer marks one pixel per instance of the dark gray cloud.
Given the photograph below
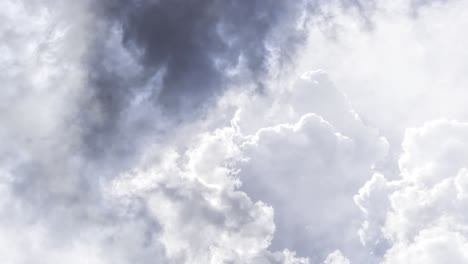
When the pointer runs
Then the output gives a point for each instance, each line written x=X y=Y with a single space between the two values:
x=197 y=42
x=157 y=63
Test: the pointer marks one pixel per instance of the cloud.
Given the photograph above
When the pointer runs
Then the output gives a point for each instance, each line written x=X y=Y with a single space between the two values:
x=431 y=246
x=59 y=204
x=421 y=214
x=53 y=209
x=399 y=62
x=155 y=64
x=197 y=42
x=42 y=76
x=309 y=170
x=180 y=132
x=202 y=215
x=209 y=186
x=147 y=75
x=336 y=258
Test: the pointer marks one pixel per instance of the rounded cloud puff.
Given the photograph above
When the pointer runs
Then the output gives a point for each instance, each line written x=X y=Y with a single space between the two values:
x=421 y=216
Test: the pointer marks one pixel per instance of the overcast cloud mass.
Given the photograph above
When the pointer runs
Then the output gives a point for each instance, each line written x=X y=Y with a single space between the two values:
x=233 y=132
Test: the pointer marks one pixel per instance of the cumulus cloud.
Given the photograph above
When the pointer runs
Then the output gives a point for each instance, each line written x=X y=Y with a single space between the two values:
x=399 y=62
x=203 y=218
x=306 y=168
x=336 y=258
x=310 y=169
x=421 y=215
x=186 y=132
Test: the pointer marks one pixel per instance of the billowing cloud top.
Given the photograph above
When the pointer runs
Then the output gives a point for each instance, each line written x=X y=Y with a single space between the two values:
x=170 y=131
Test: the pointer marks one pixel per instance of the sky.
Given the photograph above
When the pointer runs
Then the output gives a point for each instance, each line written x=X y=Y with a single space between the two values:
x=233 y=132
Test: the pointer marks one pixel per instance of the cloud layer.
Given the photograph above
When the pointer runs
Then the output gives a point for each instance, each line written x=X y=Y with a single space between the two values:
x=195 y=132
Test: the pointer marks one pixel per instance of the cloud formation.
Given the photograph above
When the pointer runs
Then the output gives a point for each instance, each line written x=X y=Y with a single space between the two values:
x=195 y=132
x=311 y=166
x=157 y=64
x=421 y=215
x=400 y=64
x=203 y=218
x=64 y=143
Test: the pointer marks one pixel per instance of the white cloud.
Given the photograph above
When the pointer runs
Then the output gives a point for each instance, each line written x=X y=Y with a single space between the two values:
x=399 y=62
x=401 y=65
x=421 y=216
x=433 y=246
x=336 y=257
x=202 y=216
x=309 y=166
